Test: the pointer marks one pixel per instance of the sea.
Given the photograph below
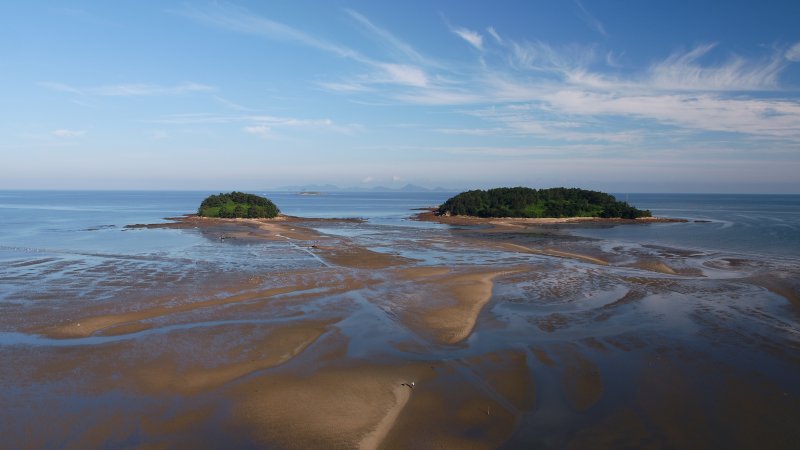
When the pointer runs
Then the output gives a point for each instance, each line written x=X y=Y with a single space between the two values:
x=78 y=244
x=688 y=336
x=93 y=222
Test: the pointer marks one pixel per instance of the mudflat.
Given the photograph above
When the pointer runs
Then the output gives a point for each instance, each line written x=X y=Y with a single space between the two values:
x=466 y=336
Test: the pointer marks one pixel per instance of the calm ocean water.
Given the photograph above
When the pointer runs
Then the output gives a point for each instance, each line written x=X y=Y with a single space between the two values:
x=92 y=221
x=717 y=335
x=755 y=225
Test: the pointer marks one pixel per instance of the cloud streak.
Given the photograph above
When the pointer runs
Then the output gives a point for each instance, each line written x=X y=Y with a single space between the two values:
x=65 y=133
x=474 y=38
x=382 y=72
x=590 y=20
x=129 y=90
x=575 y=87
x=262 y=125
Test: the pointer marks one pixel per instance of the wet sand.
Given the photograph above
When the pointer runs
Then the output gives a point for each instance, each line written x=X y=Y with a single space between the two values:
x=474 y=336
x=443 y=306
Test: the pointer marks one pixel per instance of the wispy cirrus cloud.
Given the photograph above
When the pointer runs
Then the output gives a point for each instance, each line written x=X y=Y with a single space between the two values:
x=129 y=90
x=261 y=125
x=680 y=91
x=590 y=19
x=382 y=72
x=683 y=71
x=575 y=86
x=241 y=20
x=66 y=133
x=395 y=44
x=474 y=38
x=493 y=33
x=793 y=53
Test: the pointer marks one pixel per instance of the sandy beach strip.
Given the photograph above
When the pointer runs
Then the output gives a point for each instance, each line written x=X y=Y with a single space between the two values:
x=88 y=326
x=279 y=346
x=444 y=306
x=510 y=223
x=556 y=253
x=352 y=407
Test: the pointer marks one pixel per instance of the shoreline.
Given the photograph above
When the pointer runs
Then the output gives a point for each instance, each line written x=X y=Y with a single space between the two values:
x=403 y=337
x=429 y=215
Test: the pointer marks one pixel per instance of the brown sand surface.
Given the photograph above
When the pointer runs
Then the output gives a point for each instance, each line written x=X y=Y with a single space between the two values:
x=508 y=375
x=500 y=223
x=278 y=228
x=445 y=306
x=319 y=358
x=451 y=411
x=352 y=407
x=556 y=253
x=280 y=345
x=786 y=288
x=582 y=383
x=90 y=325
x=347 y=255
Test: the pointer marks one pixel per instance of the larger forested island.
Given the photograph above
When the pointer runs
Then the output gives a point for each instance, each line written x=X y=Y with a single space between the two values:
x=237 y=204
x=537 y=203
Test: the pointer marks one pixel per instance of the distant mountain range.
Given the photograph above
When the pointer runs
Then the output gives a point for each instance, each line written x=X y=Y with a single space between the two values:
x=334 y=188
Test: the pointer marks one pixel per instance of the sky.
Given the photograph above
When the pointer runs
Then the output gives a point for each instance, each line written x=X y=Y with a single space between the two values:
x=620 y=96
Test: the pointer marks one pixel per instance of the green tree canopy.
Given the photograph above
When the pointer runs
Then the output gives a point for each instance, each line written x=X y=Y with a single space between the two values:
x=237 y=204
x=527 y=202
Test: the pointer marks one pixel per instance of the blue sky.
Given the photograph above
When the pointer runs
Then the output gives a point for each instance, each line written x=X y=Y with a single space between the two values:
x=622 y=96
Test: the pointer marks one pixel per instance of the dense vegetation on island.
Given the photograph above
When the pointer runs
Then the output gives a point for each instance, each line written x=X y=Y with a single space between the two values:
x=527 y=202
x=237 y=204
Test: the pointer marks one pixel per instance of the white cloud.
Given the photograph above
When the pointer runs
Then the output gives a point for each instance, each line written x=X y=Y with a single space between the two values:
x=65 y=133
x=472 y=37
x=766 y=118
x=368 y=179
x=254 y=120
x=683 y=71
x=793 y=53
x=404 y=74
x=345 y=86
x=231 y=105
x=395 y=44
x=60 y=87
x=590 y=20
x=569 y=99
x=243 y=21
x=396 y=178
x=261 y=130
x=493 y=33
x=133 y=90
x=129 y=90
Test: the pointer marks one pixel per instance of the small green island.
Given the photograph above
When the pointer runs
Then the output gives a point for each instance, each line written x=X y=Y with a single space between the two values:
x=539 y=203
x=237 y=205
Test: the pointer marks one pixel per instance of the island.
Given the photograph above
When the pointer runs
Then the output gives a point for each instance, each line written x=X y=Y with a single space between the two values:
x=523 y=202
x=237 y=205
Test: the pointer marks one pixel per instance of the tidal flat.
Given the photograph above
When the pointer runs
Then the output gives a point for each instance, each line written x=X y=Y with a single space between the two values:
x=349 y=334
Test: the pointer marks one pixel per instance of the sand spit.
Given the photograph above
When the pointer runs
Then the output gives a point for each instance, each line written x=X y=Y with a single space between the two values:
x=510 y=223
x=786 y=288
x=353 y=407
x=278 y=228
x=556 y=253
x=344 y=254
x=445 y=306
x=129 y=321
x=279 y=346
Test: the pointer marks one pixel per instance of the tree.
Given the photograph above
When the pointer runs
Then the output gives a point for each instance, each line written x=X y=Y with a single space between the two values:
x=527 y=202
x=237 y=204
